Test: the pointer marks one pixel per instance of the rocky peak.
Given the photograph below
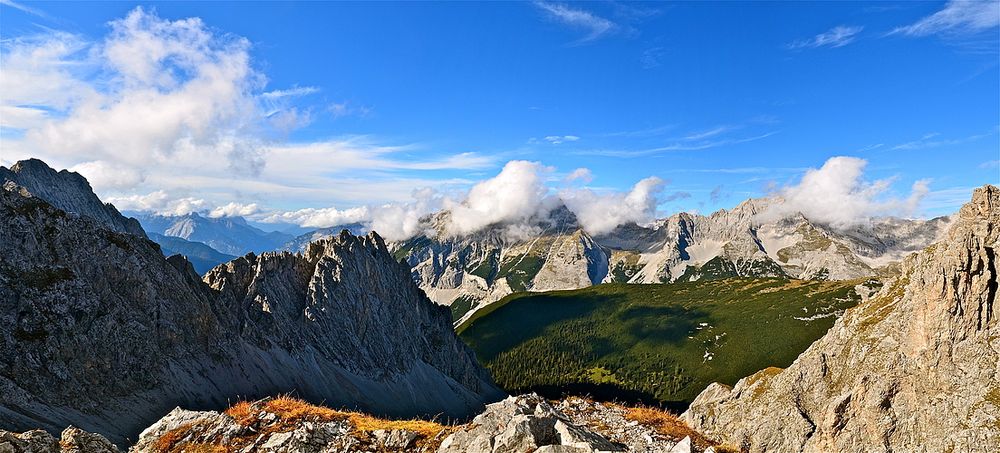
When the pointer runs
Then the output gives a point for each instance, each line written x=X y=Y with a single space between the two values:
x=913 y=368
x=68 y=191
x=99 y=330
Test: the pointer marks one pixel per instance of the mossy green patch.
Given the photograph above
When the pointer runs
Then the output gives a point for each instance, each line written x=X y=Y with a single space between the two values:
x=663 y=342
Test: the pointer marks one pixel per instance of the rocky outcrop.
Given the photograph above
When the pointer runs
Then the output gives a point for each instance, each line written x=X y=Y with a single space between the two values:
x=525 y=423
x=68 y=191
x=913 y=368
x=100 y=331
x=72 y=440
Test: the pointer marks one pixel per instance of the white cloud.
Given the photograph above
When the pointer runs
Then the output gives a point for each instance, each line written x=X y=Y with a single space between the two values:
x=24 y=8
x=958 y=16
x=934 y=139
x=559 y=139
x=321 y=217
x=582 y=175
x=234 y=210
x=515 y=195
x=159 y=202
x=291 y=92
x=836 y=194
x=601 y=213
x=594 y=25
x=104 y=175
x=176 y=106
x=838 y=36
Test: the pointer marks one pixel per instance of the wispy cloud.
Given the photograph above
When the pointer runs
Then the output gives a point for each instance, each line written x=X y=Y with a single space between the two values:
x=957 y=17
x=652 y=57
x=595 y=26
x=346 y=108
x=27 y=9
x=554 y=139
x=646 y=132
x=680 y=145
x=838 y=36
x=990 y=164
x=291 y=92
x=934 y=140
x=709 y=133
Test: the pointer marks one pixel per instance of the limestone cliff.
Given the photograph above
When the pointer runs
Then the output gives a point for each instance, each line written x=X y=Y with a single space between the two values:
x=914 y=368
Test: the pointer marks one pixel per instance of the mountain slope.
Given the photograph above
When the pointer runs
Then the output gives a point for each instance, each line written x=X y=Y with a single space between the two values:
x=229 y=235
x=98 y=330
x=68 y=191
x=912 y=369
x=656 y=343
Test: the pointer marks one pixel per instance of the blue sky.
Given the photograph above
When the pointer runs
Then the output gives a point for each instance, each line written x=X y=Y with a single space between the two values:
x=722 y=101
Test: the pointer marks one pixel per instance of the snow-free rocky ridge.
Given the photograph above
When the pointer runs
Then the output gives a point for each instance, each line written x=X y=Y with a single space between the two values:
x=915 y=368
x=98 y=330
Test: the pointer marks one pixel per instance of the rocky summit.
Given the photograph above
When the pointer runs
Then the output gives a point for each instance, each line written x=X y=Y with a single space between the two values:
x=914 y=368
x=98 y=330
x=68 y=191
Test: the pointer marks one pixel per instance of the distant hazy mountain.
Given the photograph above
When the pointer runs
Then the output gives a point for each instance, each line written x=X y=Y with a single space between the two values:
x=201 y=256
x=229 y=235
x=558 y=254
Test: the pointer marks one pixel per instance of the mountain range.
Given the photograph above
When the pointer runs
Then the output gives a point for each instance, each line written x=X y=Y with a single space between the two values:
x=555 y=252
x=228 y=235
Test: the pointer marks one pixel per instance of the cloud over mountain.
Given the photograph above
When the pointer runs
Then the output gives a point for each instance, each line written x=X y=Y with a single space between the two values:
x=838 y=195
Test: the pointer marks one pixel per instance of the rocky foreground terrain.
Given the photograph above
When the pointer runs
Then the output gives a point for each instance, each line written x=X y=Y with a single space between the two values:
x=520 y=424
x=98 y=330
x=916 y=368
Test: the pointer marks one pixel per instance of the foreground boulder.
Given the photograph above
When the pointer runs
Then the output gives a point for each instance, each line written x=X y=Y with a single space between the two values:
x=914 y=368
x=73 y=440
x=100 y=331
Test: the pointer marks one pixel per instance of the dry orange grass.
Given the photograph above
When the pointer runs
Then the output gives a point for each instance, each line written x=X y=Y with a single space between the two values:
x=666 y=424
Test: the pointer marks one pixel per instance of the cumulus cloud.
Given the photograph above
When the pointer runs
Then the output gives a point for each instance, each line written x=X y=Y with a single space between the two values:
x=234 y=210
x=107 y=175
x=159 y=202
x=837 y=194
x=515 y=195
x=173 y=85
x=601 y=213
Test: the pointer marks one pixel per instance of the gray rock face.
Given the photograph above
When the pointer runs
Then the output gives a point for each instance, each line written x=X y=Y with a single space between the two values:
x=525 y=423
x=913 y=368
x=98 y=330
x=68 y=191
